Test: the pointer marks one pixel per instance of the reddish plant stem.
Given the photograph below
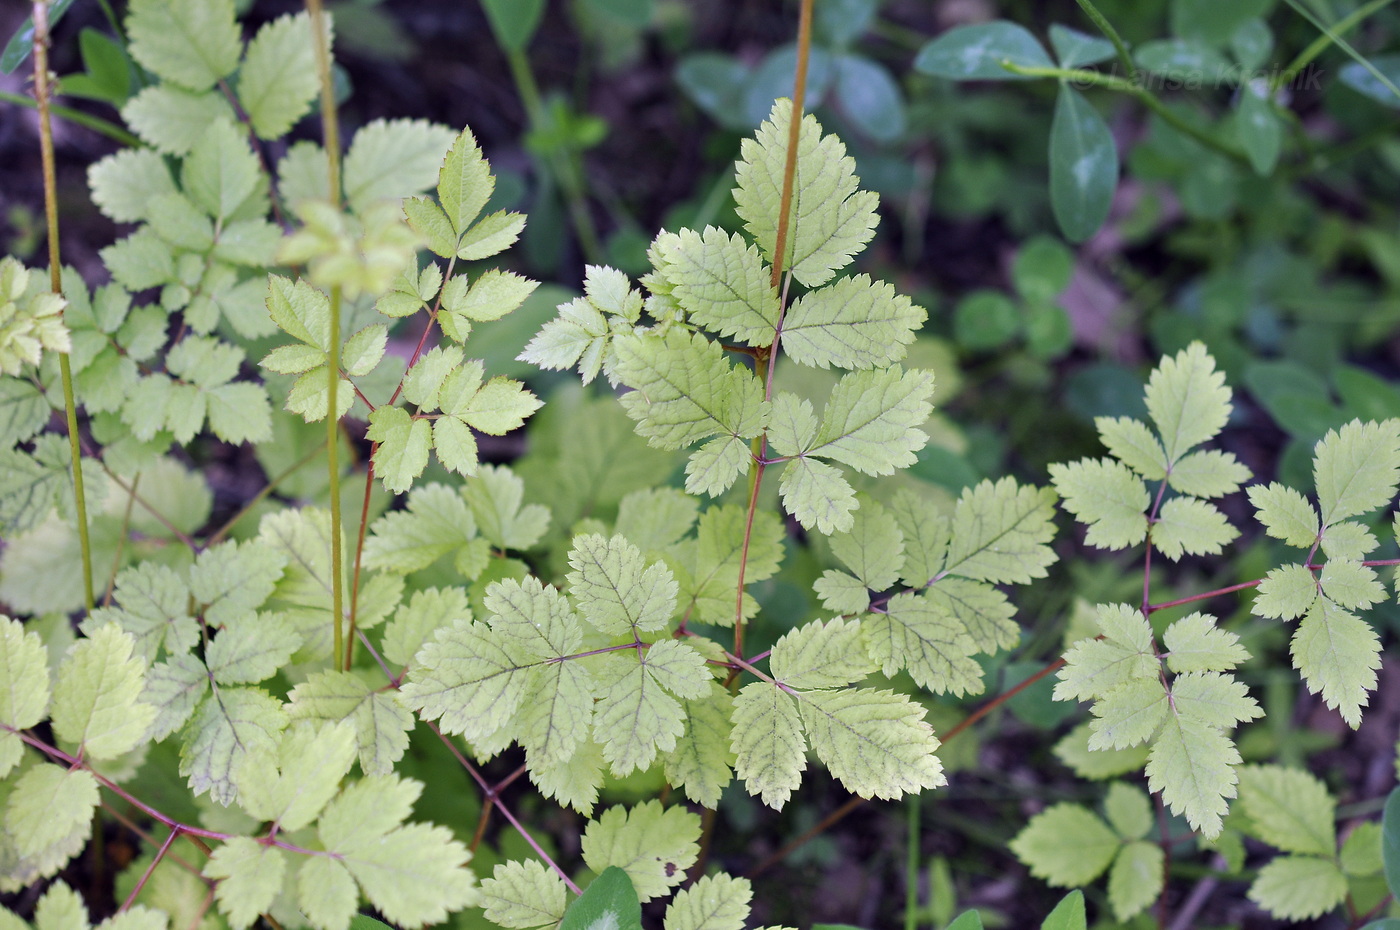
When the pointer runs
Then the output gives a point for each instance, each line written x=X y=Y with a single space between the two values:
x=146 y=875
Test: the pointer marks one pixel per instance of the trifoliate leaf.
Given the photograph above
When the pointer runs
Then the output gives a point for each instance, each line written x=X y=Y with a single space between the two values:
x=831 y=220
x=403 y=444
x=1129 y=714
x=916 y=634
x=393 y=159
x=1134 y=444
x=701 y=761
x=1001 y=533
x=1350 y=584
x=381 y=723
x=872 y=417
x=1356 y=469
x=1195 y=644
x=821 y=655
x=653 y=845
x=1286 y=514
x=1208 y=474
x=714 y=902
x=876 y=743
x=249 y=877
x=769 y=746
x=615 y=589
x=684 y=390
x=1074 y=752
x=1188 y=400
x=468 y=680
x=1066 y=845
x=523 y=895
x=722 y=284
x=96 y=701
x=1192 y=526
x=414 y=874
x=495 y=496
x=191 y=44
x=1136 y=879
x=1192 y=765
x=851 y=323
x=24 y=687
x=1107 y=497
x=278 y=79
x=1299 y=887
x=46 y=804
x=1289 y=808
x=873 y=548
x=1337 y=653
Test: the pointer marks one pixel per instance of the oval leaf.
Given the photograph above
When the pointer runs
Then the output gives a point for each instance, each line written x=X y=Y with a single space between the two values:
x=1083 y=166
x=976 y=53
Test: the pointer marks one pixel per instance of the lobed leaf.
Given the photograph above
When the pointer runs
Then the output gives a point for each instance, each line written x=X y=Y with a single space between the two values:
x=652 y=844
x=852 y=323
x=1188 y=400
x=876 y=743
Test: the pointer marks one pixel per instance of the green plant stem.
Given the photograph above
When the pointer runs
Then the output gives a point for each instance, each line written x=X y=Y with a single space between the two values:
x=1148 y=99
x=330 y=131
x=566 y=165
x=1326 y=40
x=78 y=117
x=42 y=92
x=1101 y=22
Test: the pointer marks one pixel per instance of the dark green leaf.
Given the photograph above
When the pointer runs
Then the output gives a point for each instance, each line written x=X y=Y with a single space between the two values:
x=364 y=922
x=975 y=53
x=513 y=21
x=1366 y=396
x=1389 y=923
x=1194 y=65
x=22 y=42
x=1390 y=840
x=985 y=320
x=1042 y=268
x=1083 y=166
x=773 y=79
x=1260 y=130
x=108 y=76
x=1356 y=76
x=1251 y=44
x=632 y=12
x=716 y=83
x=1076 y=49
x=1213 y=21
x=1068 y=914
x=869 y=98
x=967 y=920
x=610 y=902
x=841 y=22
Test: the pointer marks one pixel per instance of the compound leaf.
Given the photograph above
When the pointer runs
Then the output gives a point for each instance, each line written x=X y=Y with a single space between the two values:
x=468 y=680
x=817 y=495
x=380 y=722
x=292 y=785
x=616 y=590
x=821 y=655
x=1001 y=533
x=721 y=283
x=916 y=634
x=1192 y=765
x=1188 y=525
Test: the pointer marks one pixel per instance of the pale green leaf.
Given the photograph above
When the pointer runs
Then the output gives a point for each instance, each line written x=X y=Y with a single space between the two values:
x=716 y=465
x=851 y=323
x=493 y=295
x=1001 y=533
x=533 y=618
x=1213 y=698
x=174 y=687
x=1195 y=644
x=194 y=44
x=701 y=761
x=435 y=230
x=1192 y=765
x=494 y=496
x=416 y=620
x=1286 y=514
x=821 y=655
x=142 y=260
x=523 y=895
x=249 y=877
x=982 y=610
x=1208 y=474
x=574 y=783
x=876 y=743
x=707 y=569
x=1356 y=469
x=490 y=235
x=424 y=380
x=233 y=579
x=1128 y=810
x=300 y=310
x=239 y=412
x=842 y=593
x=1362 y=852
x=220 y=171
x=1289 y=808
x=611 y=291
x=817 y=496
x=1348 y=540
x=873 y=548
x=791 y=424
x=1286 y=592
x=436 y=522
x=465 y=183
x=1107 y=497
x=277 y=82
x=326 y=893
x=579 y=335
x=915 y=633
x=1299 y=887
x=1188 y=525
x=616 y=590
x=769 y=747
x=61 y=908
x=363 y=350
x=97 y=697
x=684 y=389
x=1136 y=879
x=1129 y=714
x=714 y=902
x=722 y=283
x=393 y=159
x=48 y=803
x=558 y=716
x=1337 y=653
x=222 y=733
x=1134 y=444
x=831 y=220
x=252 y=650
x=1066 y=845
x=467 y=680
x=678 y=668
x=124 y=183
x=24 y=676
x=1095 y=668
x=173 y=120
x=871 y=419
x=1350 y=584
x=652 y=844
x=635 y=718
x=926 y=536
x=292 y=785
x=497 y=407
x=402 y=447
x=381 y=723
x=1188 y=400
x=1074 y=752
